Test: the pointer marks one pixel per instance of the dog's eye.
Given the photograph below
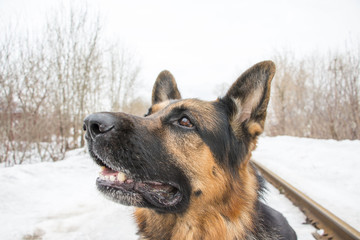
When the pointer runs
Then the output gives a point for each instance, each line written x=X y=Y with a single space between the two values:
x=185 y=122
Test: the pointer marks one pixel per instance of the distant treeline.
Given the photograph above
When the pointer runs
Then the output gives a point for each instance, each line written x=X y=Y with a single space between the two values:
x=316 y=96
x=49 y=83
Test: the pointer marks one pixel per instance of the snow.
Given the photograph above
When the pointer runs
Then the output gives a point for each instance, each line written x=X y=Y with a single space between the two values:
x=325 y=170
x=60 y=201
x=293 y=214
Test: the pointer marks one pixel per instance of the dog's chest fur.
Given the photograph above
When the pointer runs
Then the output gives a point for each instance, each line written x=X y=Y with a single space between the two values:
x=218 y=228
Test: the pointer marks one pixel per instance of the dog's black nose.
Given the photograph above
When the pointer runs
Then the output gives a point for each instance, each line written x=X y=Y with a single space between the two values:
x=98 y=123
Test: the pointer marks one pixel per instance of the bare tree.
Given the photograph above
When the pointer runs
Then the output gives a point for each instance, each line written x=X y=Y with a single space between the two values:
x=48 y=85
x=123 y=75
x=137 y=106
x=7 y=98
x=316 y=96
x=77 y=71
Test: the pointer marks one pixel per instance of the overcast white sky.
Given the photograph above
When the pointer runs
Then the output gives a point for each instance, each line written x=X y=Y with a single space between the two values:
x=206 y=43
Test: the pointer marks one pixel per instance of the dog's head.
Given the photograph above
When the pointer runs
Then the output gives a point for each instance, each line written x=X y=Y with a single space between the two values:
x=183 y=149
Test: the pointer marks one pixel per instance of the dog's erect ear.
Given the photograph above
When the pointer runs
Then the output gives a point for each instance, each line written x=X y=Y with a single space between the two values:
x=165 y=88
x=248 y=98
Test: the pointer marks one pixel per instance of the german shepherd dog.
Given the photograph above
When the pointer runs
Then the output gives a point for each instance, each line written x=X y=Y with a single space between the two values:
x=186 y=166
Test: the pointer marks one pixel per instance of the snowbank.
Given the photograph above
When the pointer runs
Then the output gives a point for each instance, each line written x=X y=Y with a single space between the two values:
x=326 y=170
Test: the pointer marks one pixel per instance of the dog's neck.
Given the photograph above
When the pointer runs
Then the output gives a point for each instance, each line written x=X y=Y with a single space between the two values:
x=232 y=214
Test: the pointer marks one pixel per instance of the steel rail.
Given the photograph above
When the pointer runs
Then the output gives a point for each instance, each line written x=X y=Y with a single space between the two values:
x=334 y=228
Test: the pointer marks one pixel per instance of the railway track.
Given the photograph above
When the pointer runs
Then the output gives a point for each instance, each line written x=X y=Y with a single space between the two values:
x=334 y=228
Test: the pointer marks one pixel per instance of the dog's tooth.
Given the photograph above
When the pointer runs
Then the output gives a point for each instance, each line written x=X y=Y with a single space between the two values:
x=101 y=169
x=121 y=177
x=112 y=178
x=107 y=178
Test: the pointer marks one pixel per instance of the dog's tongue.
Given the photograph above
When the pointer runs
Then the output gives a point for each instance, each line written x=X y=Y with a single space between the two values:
x=107 y=171
x=157 y=193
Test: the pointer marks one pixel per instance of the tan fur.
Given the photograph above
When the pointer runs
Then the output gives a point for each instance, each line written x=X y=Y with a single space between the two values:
x=189 y=161
x=157 y=107
x=220 y=207
x=222 y=211
x=254 y=128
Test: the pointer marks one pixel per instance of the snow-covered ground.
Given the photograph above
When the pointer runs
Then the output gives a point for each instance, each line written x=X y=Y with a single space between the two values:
x=59 y=201
x=328 y=171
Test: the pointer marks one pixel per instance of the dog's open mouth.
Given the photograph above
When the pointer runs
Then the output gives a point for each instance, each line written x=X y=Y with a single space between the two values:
x=159 y=194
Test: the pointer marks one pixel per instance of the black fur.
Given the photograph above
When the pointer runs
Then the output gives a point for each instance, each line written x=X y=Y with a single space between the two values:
x=137 y=145
x=130 y=132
